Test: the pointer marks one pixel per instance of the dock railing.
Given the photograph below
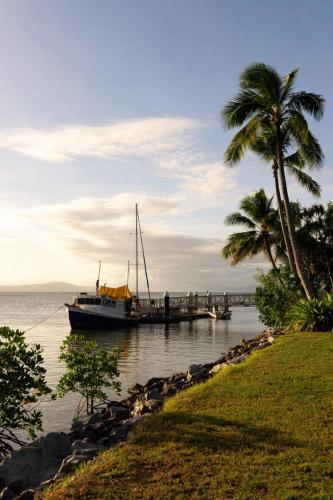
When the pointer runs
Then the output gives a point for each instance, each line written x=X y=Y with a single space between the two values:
x=186 y=304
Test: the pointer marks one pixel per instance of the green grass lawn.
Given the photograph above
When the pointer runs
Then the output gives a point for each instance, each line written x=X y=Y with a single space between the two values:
x=263 y=429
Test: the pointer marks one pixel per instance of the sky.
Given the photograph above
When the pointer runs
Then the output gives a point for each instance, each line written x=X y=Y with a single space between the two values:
x=109 y=103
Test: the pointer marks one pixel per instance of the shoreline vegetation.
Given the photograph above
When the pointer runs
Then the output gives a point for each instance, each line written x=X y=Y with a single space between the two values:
x=55 y=455
x=259 y=429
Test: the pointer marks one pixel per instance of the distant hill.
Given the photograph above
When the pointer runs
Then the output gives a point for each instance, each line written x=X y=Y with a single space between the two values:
x=52 y=286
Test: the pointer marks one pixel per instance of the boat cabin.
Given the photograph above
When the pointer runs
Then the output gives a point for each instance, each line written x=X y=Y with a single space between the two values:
x=103 y=305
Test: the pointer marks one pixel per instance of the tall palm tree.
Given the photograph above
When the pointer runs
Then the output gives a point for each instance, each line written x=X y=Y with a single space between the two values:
x=267 y=99
x=261 y=221
x=265 y=148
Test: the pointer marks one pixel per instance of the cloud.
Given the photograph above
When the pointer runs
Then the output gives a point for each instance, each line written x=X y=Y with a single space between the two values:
x=80 y=213
x=93 y=229
x=169 y=145
x=139 y=137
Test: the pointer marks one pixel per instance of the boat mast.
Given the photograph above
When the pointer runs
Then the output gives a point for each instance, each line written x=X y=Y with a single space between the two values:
x=128 y=271
x=144 y=257
x=98 y=276
x=136 y=254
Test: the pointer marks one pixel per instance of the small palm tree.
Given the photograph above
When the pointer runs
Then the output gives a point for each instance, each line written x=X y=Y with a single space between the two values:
x=261 y=221
x=266 y=100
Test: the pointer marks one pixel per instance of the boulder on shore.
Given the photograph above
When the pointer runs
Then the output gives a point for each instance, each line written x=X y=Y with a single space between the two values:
x=28 y=467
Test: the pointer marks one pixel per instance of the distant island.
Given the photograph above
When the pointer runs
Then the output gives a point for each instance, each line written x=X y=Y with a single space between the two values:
x=52 y=286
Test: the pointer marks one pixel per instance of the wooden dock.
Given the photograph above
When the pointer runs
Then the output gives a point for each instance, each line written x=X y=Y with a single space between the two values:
x=194 y=306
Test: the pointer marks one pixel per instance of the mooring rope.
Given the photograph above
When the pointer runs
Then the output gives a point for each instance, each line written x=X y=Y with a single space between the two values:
x=44 y=319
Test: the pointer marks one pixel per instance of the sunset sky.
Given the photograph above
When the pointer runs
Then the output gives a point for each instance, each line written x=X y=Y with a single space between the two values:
x=111 y=102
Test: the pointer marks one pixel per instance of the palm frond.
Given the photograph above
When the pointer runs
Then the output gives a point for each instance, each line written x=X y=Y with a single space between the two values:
x=263 y=79
x=295 y=159
x=289 y=82
x=239 y=246
x=310 y=102
x=311 y=151
x=297 y=126
x=238 y=219
x=241 y=141
x=305 y=180
x=242 y=108
x=257 y=206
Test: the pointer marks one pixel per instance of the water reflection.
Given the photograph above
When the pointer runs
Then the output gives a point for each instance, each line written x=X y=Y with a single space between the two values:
x=148 y=350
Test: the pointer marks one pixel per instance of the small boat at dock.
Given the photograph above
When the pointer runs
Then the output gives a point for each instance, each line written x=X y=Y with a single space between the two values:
x=216 y=313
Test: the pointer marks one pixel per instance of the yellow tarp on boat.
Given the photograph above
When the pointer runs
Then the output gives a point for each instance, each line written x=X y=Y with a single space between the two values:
x=120 y=292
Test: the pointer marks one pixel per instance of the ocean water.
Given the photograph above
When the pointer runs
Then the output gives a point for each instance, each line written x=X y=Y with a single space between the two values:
x=148 y=350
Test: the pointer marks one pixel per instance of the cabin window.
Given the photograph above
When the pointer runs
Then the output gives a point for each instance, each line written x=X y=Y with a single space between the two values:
x=97 y=302
x=81 y=301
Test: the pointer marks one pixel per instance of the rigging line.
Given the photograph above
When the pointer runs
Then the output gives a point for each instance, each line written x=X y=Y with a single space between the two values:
x=144 y=258
x=44 y=319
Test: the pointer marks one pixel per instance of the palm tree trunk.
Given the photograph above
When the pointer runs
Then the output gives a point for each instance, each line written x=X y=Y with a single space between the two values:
x=284 y=224
x=291 y=228
x=271 y=258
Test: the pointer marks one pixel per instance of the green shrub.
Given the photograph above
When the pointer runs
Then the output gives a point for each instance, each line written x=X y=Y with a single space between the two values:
x=22 y=384
x=273 y=298
x=314 y=315
x=90 y=370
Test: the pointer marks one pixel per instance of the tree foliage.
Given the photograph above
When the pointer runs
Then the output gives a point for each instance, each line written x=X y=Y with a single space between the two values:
x=90 y=370
x=315 y=315
x=315 y=234
x=274 y=296
x=267 y=103
x=22 y=383
x=260 y=219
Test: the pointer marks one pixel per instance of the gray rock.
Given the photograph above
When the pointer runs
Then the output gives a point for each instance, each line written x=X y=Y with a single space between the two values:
x=259 y=347
x=194 y=369
x=135 y=389
x=169 y=390
x=84 y=448
x=7 y=494
x=46 y=484
x=154 y=404
x=238 y=359
x=217 y=368
x=154 y=382
x=81 y=423
x=139 y=408
x=29 y=466
x=118 y=413
x=197 y=376
x=128 y=402
x=71 y=463
x=99 y=430
x=26 y=495
x=270 y=340
x=153 y=394
x=104 y=441
x=176 y=377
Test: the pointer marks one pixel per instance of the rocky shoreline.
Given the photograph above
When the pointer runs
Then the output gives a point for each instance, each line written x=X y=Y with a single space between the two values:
x=50 y=458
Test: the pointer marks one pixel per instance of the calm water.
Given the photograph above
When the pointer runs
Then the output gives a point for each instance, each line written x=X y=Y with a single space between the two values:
x=148 y=350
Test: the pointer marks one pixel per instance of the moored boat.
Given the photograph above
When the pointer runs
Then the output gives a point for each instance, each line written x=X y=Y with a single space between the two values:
x=107 y=309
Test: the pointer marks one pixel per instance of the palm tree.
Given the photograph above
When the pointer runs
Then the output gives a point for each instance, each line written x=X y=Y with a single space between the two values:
x=265 y=148
x=261 y=221
x=267 y=99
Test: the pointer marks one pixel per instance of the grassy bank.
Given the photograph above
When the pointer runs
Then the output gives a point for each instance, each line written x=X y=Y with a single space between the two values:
x=263 y=429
